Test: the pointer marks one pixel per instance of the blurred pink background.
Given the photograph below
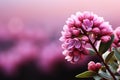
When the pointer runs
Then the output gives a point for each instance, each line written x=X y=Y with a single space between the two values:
x=53 y=13
x=30 y=31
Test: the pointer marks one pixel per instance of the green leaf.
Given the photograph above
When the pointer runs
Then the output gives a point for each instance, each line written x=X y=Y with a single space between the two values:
x=117 y=54
x=118 y=77
x=105 y=46
x=109 y=56
x=97 y=77
x=86 y=74
x=105 y=55
x=113 y=66
x=104 y=75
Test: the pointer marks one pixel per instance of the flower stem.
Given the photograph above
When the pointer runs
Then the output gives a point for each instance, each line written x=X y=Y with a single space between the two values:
x=107 y=67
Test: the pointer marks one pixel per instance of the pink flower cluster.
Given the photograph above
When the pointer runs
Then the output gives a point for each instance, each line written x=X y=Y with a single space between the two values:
x=79 y=29
x=116 y=42
x=94 y=67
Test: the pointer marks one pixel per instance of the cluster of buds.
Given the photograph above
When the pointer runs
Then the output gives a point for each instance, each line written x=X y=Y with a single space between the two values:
x=94 y=66
x=79 y=30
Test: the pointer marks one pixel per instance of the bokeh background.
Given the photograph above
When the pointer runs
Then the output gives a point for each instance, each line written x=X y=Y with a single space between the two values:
x=29 y=37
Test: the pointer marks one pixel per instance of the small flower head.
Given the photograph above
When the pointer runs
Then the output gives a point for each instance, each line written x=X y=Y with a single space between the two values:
x=94 y=66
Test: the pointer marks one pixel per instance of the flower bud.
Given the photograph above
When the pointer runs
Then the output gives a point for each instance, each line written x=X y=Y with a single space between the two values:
x=94 y=67
x=76 y=32
x=105 y=38
x=96 y=30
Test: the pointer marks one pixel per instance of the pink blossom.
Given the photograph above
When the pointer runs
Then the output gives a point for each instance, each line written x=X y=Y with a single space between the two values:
x=96 y=30
x=74 y=50
x=79 y=29
x=84 y=38
x=76 y=32
x=106 y=30
x=75 y=55
x=105 y=38
x=97 y=21
x=94 y=66
x=116 y=42
x=87 y=24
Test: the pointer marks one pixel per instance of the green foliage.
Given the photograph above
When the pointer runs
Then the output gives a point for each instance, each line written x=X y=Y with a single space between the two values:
x=86 y=74
x=97 y=77
x=117 y=54
x=105 y=46
x=104 y=75
x=109 y=56
x=113 y=66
